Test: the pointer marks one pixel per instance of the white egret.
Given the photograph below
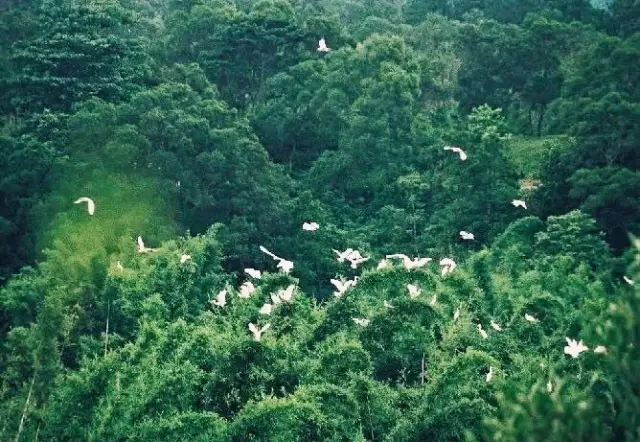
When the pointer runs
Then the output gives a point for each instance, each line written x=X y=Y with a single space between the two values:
x=600 y=349
x=459 y=151
x=275 y=298
x=283 y=264
x=253 y=273
x=310 y=227
x=530 y=318
x=490 y=374
x=361 y=321
x=142 y=248
x=322 y=46
x=456 y=314
x=341 y=286
x=467 y=235
x=448 y=265
x=519 y=203
x=257 y=332
x=414 y=290
x=387 y=304
x=184 y=258
x=356 y=262
x=265 y=309
x=343 y=255
x=409 y=263
x=119 y=266
x=482 y=332
x=221 y=299
x=495 y=325
x=287 y=294
x=91 y=206
x=246 y=290
x=628 y=280
x=574 y=348
x=549 y=386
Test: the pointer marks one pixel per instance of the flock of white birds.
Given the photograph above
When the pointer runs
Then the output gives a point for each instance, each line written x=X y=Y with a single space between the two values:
x=354 y=258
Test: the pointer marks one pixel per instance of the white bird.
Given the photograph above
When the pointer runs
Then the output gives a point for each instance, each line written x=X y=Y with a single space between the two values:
x=91 y=206
x=495 y=325
x=519 y=203
x=275 y=298
x=310 y=227
x=343 y=255
x=356 y=262
x=253 y=273
x=257 y=333
x=459 y=151
x=383 y=264
x=433 y=300
x=283 y=264
x=341 y=287
x=490 y=374
x=414 y=290
x=246 y=290
x=265 y=309
x=184 y=258
x=387 y=304
x=574 y=348
x=448 y=265
x=530 y=318
x=482 y=332
x=142 y=248
x=287 y=294
x=549 y=386
x=361 y=322
x=322 y=46
x=628 y=280
x=409 y=263
x=456 y=314
x=466 y=235
x=221 y=299
x=600 y=349
x=119 y=266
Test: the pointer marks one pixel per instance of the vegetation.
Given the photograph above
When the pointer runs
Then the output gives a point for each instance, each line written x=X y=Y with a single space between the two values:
x=212 y=127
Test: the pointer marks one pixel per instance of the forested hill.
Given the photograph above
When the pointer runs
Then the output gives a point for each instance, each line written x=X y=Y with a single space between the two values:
x=302 y=220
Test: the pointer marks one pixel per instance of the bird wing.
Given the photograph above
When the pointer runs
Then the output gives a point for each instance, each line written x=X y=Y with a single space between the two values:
x=265 y=328
x=253 y=328
x=337 y=284
x=140 y=243
x=263 y=249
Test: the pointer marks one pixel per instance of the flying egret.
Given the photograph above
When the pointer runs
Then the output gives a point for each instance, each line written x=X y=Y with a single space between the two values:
x=574 y=348
x=246 y=290
x=142 y=248
x=448 y=265
x=383 y=264
x=265 y=309
x=459 y=151
x=341 y=287
x=495 y=325
x=253 y=273
x=184 y=258
x=628 y=280
x=600 y=349
x=490 y=374
x=434 y=299
x=343 y=255
x=310 y=227
x=257 y=332
x=287 y=293
x=519 y=203
x=322 y=46
x=530 y=318
x=482 y=332
x=221 y=299
x=283 y=264
x=414 y=290
x=357 y=261
x=361 y=321
x=467 y=235
x=409 y=263
x=387 y=304
x=275 y=298
x=456 y=314
x=91 y=206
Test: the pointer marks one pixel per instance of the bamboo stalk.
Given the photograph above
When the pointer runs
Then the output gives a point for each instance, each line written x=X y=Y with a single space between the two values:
x=26 y=409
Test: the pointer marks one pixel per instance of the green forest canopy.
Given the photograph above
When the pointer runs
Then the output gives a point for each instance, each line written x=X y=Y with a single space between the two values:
x=210 y=128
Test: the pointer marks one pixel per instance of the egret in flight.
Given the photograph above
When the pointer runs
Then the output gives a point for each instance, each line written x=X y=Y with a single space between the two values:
x=265 y=309
x=257 y=332
x=574 y=348
x=253 y=273
x=142 y=248
x=286 y=294
x=459 y=151
x=409 y=263
x=343 y=255
x=310 y=227
x=490 y=374
x=341 y=287
x=628 y=280
x=91 y=206
x=600 y=349
x=414 y=290
x=246 y=290
x=184 y=258
x=495 y=325
x=519 y=203
x=322 y=46
x=448 y=265
x=275 y=298
x=221 y=299
x=467 y=235
x=530 y=318
x=283 y=264
x=387 y=304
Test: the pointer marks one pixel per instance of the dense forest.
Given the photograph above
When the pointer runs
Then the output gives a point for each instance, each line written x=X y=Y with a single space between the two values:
x=295 y=220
